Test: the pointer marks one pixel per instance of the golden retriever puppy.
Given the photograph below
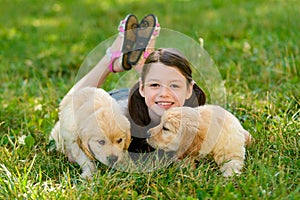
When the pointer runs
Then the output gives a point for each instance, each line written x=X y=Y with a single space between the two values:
x=196 y=132
x=91 y=126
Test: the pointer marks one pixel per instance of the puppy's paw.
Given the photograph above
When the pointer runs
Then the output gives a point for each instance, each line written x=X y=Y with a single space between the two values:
x=86 y=175
x=88 y=168
x=70 y=157
x=231 y=168
x=248 y=138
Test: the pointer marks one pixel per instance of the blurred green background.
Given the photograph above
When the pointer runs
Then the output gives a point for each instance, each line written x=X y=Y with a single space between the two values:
x=54 y=37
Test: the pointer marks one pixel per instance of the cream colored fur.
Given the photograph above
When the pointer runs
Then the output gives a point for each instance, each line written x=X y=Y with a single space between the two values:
x=196 y=132
x=91 y=126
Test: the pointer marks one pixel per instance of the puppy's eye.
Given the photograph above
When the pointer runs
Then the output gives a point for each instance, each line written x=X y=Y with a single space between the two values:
x=165 y=129
x=119 y=140
x=101 y=142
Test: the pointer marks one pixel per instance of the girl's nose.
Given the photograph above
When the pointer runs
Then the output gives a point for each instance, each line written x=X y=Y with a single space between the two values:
x=164 y=91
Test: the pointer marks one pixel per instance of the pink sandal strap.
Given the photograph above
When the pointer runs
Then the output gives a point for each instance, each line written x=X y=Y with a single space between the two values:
x=113 y=56
x=146 y=54
x=121 y=27
x=156 y=31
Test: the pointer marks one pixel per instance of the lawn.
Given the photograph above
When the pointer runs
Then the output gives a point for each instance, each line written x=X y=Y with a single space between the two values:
x=254 y=45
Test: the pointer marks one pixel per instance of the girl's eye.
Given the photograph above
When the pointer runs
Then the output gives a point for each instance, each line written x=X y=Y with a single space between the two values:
x=101 y=142
x=174 y=86
x=154 y=85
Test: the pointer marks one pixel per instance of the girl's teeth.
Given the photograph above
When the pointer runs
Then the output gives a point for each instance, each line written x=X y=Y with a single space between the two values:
x=165 y=103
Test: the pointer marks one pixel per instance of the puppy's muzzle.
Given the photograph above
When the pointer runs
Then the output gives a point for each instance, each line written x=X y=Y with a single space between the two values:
x=112 y=159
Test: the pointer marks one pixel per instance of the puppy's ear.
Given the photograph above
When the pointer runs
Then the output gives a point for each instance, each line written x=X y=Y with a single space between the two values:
x=85 y=149
x=175 y=118
x=128 y=140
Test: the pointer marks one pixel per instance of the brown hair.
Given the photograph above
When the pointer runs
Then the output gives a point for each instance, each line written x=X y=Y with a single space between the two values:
x=137 y=107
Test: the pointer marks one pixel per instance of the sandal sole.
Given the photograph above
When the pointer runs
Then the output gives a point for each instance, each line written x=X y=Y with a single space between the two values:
x=129 y=39
x=144 y=33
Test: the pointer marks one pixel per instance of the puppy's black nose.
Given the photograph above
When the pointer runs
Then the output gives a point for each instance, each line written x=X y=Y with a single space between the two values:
x=112 y=159
x=148 y=134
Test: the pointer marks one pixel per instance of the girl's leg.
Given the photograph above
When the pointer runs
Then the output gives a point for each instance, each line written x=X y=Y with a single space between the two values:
x=98 y=74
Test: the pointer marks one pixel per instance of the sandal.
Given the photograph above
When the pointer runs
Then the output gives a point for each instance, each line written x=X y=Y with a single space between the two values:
x=127 y=29
x=148 y=29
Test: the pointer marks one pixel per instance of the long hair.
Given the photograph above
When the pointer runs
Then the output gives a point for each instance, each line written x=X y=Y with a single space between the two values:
x=137 y=107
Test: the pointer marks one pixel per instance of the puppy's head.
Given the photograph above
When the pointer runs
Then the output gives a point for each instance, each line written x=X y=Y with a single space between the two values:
x=105 y=135
x=176 y=130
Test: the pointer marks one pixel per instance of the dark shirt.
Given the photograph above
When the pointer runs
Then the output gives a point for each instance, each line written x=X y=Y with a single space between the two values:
x=138 y=134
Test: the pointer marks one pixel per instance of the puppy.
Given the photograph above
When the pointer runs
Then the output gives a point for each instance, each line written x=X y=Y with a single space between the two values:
x=196 y=132
x=91 y=127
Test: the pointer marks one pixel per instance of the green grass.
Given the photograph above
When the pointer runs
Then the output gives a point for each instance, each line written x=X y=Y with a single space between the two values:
x=43 y=43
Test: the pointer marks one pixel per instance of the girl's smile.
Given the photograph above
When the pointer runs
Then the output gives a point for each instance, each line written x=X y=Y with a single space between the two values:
x=164 y=104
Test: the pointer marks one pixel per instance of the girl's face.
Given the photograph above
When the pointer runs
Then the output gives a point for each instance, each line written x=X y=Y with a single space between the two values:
x=164 y=87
